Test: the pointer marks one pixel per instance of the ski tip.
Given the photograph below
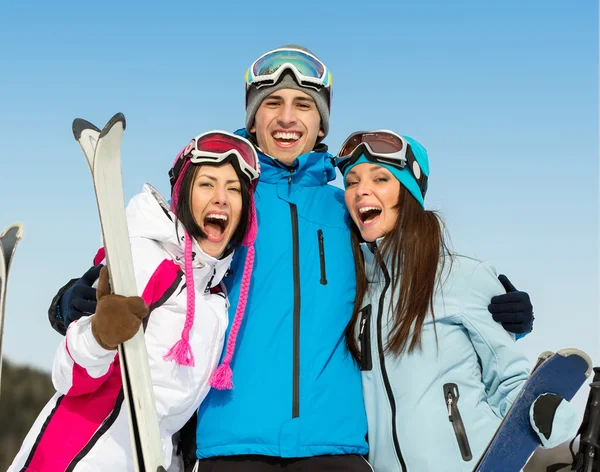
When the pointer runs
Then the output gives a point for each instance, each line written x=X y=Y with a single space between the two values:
x=16 y=229
x=80 y=125
x=577 y=352
x=545 y=355
x=118 y=118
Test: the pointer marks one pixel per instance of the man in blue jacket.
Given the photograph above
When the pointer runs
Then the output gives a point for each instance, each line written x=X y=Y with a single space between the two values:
x=297 y=398
x=297 y=395
x=297 y=402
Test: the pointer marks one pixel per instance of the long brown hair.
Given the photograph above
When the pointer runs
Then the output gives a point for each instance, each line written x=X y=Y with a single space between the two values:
x=412 y=250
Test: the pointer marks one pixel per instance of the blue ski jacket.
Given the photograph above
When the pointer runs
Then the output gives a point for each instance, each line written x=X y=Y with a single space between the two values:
x=452 y=393
x=297 y=390
x=437 y=408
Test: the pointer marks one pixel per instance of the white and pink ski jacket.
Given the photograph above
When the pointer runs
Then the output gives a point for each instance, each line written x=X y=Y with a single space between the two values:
x=84 y=426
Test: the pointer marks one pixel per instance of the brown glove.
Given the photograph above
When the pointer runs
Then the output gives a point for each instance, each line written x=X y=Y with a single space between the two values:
x=117 y=318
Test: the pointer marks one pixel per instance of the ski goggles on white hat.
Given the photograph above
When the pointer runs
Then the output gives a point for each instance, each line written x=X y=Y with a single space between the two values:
x=308 y=70
x=214 y=147
x=381 y=147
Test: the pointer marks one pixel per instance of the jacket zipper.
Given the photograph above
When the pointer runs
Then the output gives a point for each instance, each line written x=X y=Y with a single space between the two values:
x=322 y=257
x=386 y=380
x=364 y=337
x=207 y=289
x=296 y=347
x=451 y=395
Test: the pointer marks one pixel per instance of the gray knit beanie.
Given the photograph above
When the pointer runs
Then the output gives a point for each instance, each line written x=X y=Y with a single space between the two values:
x=255 y=96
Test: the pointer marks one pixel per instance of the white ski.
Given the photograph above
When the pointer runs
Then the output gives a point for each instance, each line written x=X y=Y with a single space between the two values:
x=103 y=152
x=9 y=239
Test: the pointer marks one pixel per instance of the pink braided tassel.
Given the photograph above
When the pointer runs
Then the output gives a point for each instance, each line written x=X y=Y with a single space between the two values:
x=181 y=352
x=222 y=378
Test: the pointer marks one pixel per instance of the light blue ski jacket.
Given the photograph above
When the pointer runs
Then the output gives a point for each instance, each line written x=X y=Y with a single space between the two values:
x=437 y=408
x=297 y=390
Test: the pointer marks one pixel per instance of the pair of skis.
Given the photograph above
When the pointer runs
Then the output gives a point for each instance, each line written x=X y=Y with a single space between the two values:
x=9 y=239
x=102 y=149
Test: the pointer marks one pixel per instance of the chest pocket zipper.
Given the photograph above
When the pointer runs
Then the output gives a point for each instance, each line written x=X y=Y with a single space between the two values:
x=322 y=257
x=364 y=337
x=451 y=395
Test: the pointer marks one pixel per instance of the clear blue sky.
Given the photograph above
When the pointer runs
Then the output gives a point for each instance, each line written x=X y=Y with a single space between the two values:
x=504 y=95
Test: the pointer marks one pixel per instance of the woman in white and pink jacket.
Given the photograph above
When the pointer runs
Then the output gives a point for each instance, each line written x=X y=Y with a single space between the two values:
x=180 y=252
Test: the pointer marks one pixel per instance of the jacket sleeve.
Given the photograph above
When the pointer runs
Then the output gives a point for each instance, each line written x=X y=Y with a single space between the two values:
x=504 y=367
x=81 y=365
x=54 y=315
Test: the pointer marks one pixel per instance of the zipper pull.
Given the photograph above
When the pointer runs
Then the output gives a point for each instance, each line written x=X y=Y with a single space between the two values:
x=452 y=395
x=207 y=289
x=290 y=177
x=363 y=322
x=364 y=338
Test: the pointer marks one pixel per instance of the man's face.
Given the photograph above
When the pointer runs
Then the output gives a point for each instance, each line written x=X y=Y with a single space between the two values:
x=287 y=124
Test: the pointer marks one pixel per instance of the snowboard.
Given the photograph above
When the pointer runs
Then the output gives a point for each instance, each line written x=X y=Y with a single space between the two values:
x=561 y=373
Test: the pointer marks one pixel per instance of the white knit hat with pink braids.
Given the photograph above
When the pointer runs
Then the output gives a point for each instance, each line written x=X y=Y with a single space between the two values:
x=181 y=351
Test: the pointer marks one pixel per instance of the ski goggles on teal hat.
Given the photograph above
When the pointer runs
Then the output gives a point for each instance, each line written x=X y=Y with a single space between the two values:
x=404 y=157
x=307 y=68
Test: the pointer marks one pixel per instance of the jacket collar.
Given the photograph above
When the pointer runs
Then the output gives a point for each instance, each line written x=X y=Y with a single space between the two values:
x=372 y=269
x=149 y=216
x=311 y=169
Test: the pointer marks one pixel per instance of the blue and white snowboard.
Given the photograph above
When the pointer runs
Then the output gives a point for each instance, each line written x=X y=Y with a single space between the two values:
x=515 y=440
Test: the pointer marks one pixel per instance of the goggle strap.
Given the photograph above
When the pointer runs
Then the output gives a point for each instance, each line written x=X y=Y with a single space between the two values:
x=174 y=171
x=411 y=161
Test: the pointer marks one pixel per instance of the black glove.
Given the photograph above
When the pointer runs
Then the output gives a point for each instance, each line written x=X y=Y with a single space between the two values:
x=76 y=299
x=514 y=309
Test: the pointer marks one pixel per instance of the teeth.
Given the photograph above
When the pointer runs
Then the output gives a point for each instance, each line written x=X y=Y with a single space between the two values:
x=282 y=135
x=215 y=216
x=366 y=209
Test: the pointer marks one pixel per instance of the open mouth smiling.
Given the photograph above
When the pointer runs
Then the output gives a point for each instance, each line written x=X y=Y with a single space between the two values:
x=214 y=226
x=369 y=214
x=286 y=138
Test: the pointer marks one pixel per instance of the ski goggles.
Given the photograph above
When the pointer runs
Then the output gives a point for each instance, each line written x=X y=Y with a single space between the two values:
x=308 y=70
x=383 y=147
x=214 y=147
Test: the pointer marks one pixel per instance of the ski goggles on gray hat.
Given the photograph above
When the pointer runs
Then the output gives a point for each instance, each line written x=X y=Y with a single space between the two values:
x=308 y=70
x=288 y=68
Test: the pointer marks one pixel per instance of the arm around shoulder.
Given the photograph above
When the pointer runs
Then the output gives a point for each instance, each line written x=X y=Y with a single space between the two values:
x=504 y=366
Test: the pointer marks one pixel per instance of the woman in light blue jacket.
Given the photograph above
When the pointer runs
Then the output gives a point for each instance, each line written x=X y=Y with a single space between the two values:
x=438 y=372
